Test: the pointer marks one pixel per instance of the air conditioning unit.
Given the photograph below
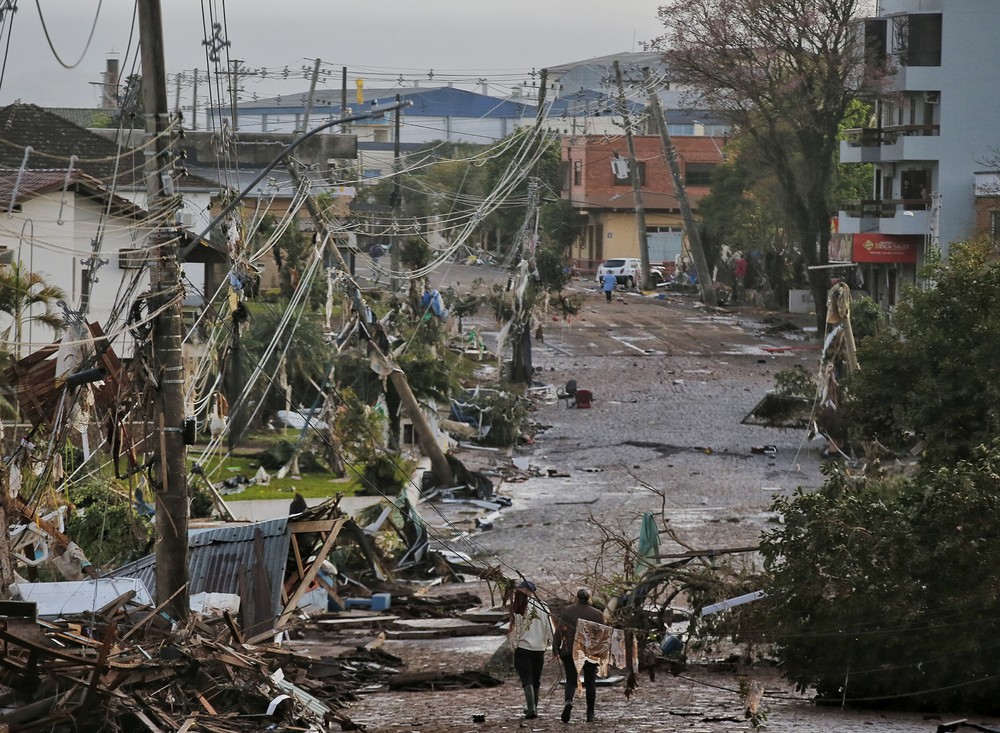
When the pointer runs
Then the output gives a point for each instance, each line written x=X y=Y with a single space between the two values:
x=6 y=256
x=932 y=97
x=132 y=259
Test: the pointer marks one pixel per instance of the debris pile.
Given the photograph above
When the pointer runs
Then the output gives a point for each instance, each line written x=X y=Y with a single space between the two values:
x=124 y=669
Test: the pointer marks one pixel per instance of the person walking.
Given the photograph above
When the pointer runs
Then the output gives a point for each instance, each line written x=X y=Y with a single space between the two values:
x=530 y=634
x=608 y=282
x=562 y=647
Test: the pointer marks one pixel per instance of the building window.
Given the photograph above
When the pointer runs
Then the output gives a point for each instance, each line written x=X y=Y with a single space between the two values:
x=917 y=39
x=627 y=180
x=995 y=226
x=698 y=174
x=577 y=172
x=681 y=130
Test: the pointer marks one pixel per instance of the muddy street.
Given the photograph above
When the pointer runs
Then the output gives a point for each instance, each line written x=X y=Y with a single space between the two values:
x=670 y=384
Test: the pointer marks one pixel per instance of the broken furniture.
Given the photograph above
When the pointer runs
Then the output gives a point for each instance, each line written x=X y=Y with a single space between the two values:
x=567 y=393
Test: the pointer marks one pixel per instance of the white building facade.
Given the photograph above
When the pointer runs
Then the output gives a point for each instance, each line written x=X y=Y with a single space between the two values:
x=933 y=125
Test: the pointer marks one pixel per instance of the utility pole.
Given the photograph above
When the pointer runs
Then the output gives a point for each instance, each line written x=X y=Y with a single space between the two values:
x=396 y=201
x=234 y=83
x=194 y=101
x=312 y=96
x=343 y=98
x=670 y=153
x=635 y=175
x=169 y=473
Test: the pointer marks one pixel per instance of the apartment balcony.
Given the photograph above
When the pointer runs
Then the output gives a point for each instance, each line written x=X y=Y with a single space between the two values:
x=886 y=216
x=917 y=78
x=890 y=144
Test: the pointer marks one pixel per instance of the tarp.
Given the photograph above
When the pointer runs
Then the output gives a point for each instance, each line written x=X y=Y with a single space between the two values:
x=649 y=544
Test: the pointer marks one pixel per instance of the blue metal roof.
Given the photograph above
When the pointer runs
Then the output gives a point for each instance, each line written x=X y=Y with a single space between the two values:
x=223 y=560
x=426 y=102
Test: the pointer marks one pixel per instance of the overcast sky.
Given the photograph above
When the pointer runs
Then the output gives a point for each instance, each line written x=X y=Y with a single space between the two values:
x=498 y=42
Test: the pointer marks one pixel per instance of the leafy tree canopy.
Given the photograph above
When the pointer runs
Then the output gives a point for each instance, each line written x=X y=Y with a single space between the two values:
x=936 y=377
x=886 y=592
x=784 y=74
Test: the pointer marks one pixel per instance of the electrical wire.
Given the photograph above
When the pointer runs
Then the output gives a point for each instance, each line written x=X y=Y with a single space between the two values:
x=48 y=38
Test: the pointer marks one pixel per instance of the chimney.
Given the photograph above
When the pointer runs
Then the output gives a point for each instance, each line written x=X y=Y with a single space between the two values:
x=109 y=99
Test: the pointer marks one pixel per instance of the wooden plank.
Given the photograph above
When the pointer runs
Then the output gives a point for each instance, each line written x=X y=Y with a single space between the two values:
x=310 y=573
x=205 y=703
x=51 y=651
x=113 y=606
x=330 y=590
x=366 y=620
x=319 y=525
x=145 y=720
x=234 y=628
x=152 y=614
x=20 y=609
x=102 y=658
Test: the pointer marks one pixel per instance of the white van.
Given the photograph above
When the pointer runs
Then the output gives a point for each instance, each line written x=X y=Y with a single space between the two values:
x=628 y=271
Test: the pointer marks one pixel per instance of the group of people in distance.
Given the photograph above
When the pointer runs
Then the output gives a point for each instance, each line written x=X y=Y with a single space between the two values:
x=532 y=628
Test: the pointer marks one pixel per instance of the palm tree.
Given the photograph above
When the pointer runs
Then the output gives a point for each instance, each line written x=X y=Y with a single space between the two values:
x=21 y=293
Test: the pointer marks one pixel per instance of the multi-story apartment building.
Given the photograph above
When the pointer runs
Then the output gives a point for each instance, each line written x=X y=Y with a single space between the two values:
x=933 y=126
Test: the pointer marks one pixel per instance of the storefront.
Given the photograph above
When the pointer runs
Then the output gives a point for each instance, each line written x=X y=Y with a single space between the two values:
x=884 y=263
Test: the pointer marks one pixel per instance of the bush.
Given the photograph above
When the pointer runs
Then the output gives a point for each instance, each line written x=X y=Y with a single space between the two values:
x=106 y=526
x=884 y=591
x=937 y=379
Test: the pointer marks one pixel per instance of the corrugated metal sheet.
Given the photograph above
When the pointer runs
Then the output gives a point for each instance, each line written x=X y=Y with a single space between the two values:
x=221 y=560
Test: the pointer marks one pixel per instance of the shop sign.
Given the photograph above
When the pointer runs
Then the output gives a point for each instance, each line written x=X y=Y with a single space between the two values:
x=884 y=248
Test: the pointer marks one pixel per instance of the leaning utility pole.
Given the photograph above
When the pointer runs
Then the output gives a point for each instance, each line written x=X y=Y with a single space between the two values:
x=670 y=153
x=443 y=473
x=168 y=472
x=312 y=96
x=635 y=175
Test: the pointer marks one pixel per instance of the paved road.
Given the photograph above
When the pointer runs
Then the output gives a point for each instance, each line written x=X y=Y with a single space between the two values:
x=671 y=382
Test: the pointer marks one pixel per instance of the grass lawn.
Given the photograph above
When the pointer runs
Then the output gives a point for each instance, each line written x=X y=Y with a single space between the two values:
x=310 y=484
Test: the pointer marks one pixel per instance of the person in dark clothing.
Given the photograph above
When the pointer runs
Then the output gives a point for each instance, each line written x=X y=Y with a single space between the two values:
x=562 y=647
x=298 y=505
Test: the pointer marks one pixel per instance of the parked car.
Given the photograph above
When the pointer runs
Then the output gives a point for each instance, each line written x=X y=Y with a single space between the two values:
x=628 y=271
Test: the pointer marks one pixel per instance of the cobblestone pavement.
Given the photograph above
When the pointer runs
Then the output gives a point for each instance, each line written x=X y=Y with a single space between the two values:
x=671 y=382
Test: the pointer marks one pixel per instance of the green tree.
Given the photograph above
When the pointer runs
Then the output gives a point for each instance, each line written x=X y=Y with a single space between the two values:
x=783 y=73
x=306 y=355
x=935 y=378
x=886 y=592
x=560 y=223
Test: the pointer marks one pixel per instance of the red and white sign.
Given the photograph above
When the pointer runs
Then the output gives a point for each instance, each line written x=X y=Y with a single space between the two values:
x=886 y=249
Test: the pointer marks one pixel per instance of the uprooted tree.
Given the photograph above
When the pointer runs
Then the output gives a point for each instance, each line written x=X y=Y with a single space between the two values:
x=784 y=74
